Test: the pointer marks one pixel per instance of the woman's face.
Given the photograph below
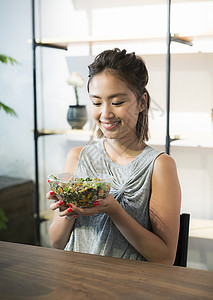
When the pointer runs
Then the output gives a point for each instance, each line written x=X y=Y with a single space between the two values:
x=114 y=106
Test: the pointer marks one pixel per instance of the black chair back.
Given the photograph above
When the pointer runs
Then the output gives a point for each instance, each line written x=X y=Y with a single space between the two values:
x=182 y=248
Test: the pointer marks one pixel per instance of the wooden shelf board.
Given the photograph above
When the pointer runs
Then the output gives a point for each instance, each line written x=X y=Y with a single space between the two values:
x=93 y=39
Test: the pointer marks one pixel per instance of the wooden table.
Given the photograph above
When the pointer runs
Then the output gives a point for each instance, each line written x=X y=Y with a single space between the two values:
x=31 y=272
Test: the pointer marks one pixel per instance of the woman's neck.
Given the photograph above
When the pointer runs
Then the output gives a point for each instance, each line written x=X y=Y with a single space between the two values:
x=123 y=152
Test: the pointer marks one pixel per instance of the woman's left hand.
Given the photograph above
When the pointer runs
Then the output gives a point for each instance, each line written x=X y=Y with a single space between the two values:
x=107 y=205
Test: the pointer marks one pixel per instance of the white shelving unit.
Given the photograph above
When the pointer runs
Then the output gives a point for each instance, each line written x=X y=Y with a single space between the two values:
x=93 y=40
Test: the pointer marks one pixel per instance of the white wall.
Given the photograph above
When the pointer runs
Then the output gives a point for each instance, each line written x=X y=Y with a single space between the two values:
x=191 y=101
x=16 y=137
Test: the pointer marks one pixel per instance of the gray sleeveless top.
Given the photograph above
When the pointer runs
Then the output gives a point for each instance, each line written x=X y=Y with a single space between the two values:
x=131 y=186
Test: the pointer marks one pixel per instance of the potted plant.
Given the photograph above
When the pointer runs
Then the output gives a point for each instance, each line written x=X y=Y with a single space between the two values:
x=77 y=114
x=5 y=60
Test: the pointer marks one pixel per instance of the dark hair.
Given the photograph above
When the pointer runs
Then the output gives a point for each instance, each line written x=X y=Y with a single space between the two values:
x=131 y=69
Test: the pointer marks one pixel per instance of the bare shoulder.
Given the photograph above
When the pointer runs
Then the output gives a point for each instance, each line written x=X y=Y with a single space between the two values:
x=75 y=152
x=72 y=159
x=164 y=163
x=165 y=174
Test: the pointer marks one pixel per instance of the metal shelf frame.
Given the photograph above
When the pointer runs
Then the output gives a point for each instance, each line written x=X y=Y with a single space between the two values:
x=168 y=72
x=36 y=44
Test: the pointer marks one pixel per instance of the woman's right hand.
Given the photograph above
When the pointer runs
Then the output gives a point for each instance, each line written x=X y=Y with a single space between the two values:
x=63 y=211
x=62 y=223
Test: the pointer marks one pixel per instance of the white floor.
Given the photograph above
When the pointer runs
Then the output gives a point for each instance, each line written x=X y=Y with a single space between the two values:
x=200 y=254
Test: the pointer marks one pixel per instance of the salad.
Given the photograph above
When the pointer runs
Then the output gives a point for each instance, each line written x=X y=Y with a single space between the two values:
x=79 y=191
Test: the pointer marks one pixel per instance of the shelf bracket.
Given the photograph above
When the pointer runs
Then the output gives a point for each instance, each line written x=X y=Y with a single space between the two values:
x=182 y=40
x=41 y=133
x=50 y=45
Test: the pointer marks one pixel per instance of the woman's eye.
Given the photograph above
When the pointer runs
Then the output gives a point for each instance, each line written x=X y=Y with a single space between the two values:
x=96 y=103
x=118 y=103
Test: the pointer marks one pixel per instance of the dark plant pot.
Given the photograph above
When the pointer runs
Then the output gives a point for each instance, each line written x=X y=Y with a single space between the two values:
x=77 y=116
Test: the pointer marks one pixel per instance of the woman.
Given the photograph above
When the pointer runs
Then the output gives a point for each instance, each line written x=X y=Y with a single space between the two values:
x=139 y=219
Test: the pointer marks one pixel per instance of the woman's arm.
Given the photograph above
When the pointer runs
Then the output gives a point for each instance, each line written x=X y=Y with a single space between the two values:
x=165 y=204
x=61 y=227
x=159 y=246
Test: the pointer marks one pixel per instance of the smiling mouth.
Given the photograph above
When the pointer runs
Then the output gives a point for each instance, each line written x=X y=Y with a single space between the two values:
x=111 y=125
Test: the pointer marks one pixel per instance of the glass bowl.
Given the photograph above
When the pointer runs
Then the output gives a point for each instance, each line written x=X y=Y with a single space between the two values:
x=81 y=191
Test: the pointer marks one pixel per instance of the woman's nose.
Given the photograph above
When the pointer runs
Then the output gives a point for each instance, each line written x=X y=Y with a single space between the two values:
x=107 y=111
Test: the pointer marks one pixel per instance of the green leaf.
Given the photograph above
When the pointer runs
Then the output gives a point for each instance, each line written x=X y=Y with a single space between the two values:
x=8 y=109
x=88 y=179
x=6 y=59
x=3 y=219
x=54 y=177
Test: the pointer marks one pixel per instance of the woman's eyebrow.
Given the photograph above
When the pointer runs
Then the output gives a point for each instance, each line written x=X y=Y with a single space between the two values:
x=94 y=96
x=117 y=95
x=110 y=97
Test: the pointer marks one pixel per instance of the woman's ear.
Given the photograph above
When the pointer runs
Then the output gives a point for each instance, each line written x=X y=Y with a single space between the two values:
x=143 y=102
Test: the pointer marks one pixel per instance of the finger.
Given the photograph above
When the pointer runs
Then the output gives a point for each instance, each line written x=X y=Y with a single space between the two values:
x=56 y=204
x=85 y=211
x=69 y=213
x=96 y=203
x=65 y=212
x=77 y=210
x=50 y=195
